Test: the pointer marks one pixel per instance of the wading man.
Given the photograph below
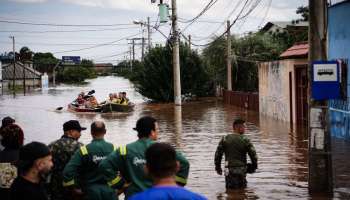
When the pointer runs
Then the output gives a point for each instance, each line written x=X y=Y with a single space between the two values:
x=236 y=146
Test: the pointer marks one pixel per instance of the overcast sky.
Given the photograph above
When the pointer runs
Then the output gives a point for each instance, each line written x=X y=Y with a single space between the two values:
x=121 y=14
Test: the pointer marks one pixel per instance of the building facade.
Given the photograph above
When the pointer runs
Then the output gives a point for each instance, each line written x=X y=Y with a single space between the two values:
x=283 y=86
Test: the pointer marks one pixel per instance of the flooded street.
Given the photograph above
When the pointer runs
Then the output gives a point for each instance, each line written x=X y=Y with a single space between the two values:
x=195 y=128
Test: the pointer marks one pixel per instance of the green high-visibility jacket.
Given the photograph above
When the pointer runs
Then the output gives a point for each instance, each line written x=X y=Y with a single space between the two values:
x=129 y=161
x=82 y=170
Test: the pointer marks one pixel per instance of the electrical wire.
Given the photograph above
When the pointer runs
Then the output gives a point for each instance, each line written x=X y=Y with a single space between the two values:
x=53 y=24
x=98 y=45
x=237 y=17
x=222 y=23
x=68 y=31
x=58 y=44
x=210 y=4
x=205 y=9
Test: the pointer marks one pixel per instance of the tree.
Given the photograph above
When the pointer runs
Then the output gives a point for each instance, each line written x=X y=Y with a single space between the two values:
x=44 y=62
x=25 y=54
x=153 y=78
x=87 y=63
x=247 y=50
x=304 y=12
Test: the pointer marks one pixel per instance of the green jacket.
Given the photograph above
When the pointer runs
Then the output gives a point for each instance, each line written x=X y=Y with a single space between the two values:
x=129 y=160
x=82 y=170
x=235 y=147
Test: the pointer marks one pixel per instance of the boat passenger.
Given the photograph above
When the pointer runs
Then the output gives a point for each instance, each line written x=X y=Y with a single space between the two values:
x=123 y=99
x=116 y=98
x=80 y=100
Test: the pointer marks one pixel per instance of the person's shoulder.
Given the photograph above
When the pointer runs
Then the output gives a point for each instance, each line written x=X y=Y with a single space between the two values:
x=190 y=195
x=164 y=193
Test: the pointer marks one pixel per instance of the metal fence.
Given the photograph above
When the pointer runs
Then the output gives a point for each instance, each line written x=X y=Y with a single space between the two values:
x=248 y=100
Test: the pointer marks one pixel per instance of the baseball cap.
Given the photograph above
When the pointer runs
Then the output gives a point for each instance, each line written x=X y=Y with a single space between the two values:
x=72 y=125
x=29 y=153
x=238 y=121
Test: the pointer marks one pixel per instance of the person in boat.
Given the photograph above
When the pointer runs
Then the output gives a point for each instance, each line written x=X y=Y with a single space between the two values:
x=111 y=98
x=116 y=98
x=123 y=99
x=80 y=100
x=93 y=101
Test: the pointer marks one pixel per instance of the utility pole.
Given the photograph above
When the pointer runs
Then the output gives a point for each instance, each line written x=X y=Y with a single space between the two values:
x=130 y=58
x=176 y=56
x=133 y=51
x=24 y=78
x=14 y=64
x=228 y=59
x=149 y=33
x=189 y=41
x=54 y=73
x=320 y=157
x=143 y=48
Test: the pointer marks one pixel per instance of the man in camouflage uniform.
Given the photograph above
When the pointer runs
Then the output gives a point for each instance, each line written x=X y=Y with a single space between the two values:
x=83 y=166
x=62 y=150
x=236 y=146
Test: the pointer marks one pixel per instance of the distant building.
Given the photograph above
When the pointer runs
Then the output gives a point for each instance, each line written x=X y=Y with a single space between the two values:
x=102 y=68
x=32 y=77
x=283 y=26
x=283 y=86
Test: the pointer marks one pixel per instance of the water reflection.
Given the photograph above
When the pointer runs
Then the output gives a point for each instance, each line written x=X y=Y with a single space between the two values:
x=194 y=128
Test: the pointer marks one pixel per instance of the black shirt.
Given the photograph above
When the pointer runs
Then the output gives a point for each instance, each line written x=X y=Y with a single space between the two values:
x=23 y=189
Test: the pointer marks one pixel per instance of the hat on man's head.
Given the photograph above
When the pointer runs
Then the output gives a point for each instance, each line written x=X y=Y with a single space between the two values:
x=29 y=153
x=7 y=121
x=72 y=125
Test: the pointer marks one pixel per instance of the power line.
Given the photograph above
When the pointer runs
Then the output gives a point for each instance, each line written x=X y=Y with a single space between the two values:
x=118 y=54
x=53 y=24
x=205 y=9
x=208 y=6
x=68 y=31
x=98 y=45
x=222 y=23
x=237 y=17
x=59 y=44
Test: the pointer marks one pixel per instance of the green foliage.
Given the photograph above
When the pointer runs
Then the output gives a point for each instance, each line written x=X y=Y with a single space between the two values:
x=25 y=54
x=75 y=74
x=87 y=63
x=44 y=62
x=153 y=78
x=247 y=50
x=304 y=12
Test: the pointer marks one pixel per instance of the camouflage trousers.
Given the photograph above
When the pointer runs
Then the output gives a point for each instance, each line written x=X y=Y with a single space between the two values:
x=235 y=178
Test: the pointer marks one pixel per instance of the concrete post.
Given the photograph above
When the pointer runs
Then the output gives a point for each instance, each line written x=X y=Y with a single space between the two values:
x=320 y=160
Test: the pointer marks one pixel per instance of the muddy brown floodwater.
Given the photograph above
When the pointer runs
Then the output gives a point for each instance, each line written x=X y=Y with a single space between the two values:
x=195 y=129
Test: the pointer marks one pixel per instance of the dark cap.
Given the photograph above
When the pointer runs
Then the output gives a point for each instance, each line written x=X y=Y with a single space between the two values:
x=72 y=125
x=238 y=121
x=7 y=121
x=33 y=151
